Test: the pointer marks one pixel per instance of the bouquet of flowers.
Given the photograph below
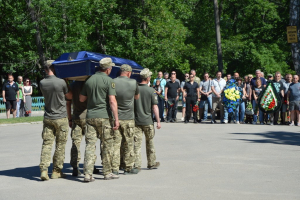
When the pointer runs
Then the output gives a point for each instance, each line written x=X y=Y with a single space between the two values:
x=196 y=107
x=269 y=100
x=249 y=109
x=232 y=96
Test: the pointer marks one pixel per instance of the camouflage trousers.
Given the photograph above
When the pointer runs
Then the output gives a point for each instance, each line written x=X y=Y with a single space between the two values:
x=77 y=133
x=138 y=137
x=102 y=129
x=124 y=136
x=54 y=129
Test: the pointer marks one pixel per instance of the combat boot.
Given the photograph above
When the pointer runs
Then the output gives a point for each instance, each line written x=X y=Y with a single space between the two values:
x=88 y=178
x=76 y=172
x=110 y=176
x=57 y=174
x=155 y=166
x=96 y=171
x=44 y=176
x=132 y=171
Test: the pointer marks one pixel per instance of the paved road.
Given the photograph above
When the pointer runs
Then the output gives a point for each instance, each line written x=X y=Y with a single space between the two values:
x=201 y=161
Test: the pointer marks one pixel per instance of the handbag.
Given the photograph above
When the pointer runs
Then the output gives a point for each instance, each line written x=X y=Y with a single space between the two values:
x=249 y=109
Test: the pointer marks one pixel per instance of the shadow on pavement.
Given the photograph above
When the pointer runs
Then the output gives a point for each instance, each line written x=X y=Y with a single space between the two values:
x=33 y=173
x=275 y=137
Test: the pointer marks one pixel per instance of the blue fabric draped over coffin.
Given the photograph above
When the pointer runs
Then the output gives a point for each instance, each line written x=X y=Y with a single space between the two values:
x=85 y=63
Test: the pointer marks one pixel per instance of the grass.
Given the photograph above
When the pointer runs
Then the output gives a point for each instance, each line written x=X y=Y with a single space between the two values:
x=21 y=120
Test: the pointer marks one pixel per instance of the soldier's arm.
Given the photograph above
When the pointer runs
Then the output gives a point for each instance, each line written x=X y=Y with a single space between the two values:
x=137 y=92
x=114 y=107
x=156 y=113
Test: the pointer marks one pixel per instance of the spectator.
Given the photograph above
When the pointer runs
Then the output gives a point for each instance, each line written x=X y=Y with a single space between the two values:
x=20 y=103
x=160 y=99
x=258 y=76
x=236 y=75
x=191 y=96
x=226 y=118
x=257 y=89
x=293 y=99
x=280 y=90
x=206 y=96
x=217 y=88
x=263 y=76
x=172 y=92
x=166 y=77
x=197 y=79
x=248 y=96
x=284 y=108
x=10 y=93
x=158 y=91
x=174 y=73
x=186 y=76
x=240 y=109
x=228 y=76
x=27 y=96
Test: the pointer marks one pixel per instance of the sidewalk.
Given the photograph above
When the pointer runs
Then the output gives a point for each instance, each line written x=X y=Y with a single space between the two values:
x=33 y=114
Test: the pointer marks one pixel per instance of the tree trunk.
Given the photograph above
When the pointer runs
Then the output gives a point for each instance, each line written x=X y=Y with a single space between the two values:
x=38 y=40
x=218 y=36
x=294 y=21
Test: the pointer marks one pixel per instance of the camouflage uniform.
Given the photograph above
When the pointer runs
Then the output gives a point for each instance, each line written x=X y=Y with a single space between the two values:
x=98 y=128
x=126 y=130
x=54 y=129
x=150 y=150
x=77 y=133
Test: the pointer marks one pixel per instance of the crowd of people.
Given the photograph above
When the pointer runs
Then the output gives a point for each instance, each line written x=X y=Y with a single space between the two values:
x=17 y=97
x=201 y=97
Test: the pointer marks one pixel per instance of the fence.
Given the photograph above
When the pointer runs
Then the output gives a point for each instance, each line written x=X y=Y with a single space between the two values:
x=37 y=104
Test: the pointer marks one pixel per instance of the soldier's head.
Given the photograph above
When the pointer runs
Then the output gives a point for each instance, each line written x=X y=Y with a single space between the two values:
x=48 y=67
x=126 y=70
x=10 y=78
x=106 y=65
x=145 y=75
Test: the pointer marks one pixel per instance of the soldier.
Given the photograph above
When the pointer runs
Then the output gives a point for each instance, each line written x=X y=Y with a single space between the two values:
x=55 y=126
x=144 y=121
x=99 y=91
x=77 y=124
x=127 y=90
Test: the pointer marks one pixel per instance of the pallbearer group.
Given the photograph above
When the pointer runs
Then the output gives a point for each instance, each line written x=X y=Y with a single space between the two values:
x=115 y=111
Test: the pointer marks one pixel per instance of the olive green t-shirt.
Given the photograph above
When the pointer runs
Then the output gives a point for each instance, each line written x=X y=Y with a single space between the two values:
x=97 y=89
x=143 y=105
x=126 y=88
x=54 y=90
x=79 y=108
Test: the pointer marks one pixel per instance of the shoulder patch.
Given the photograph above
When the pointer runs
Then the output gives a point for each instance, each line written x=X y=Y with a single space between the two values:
x=113 y=85
x=155 y=97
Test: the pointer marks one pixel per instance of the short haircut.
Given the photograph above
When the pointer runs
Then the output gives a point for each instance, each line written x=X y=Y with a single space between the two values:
x=192 y=70
x=219 y=72
x=228 y=74
x=258 y=70
x=10 y=75
x=278 y=72
x=166 y=73
x=206 y=73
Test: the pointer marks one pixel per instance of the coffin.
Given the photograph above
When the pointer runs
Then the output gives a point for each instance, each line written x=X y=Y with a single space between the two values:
x=80 y=65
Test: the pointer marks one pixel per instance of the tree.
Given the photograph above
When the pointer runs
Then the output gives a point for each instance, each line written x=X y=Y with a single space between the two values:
x=294 y=21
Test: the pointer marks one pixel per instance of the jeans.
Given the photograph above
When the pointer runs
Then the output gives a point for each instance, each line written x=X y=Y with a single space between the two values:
x=172 y=110
x=261 y=113
x=225 y=113
x=20 y=108
x=240 y=117
x=206 y=104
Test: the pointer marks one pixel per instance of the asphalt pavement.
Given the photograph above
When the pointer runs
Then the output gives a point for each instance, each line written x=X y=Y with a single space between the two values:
x=198 y=161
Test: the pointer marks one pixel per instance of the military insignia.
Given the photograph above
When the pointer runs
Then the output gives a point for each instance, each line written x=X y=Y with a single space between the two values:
x=155 y=97
x=113 y=85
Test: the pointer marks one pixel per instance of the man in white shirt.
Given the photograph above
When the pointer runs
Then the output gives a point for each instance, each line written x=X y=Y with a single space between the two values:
x=217 y=88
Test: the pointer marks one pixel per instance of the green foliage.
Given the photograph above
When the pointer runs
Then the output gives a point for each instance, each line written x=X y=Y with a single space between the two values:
x=162 y=35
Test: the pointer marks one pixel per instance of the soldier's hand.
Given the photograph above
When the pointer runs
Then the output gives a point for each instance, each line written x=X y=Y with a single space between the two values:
x=116 y=127
x=158 y=126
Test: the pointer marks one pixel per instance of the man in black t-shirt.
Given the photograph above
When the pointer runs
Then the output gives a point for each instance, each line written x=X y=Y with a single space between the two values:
x=172 y=91
x=10 y=91
x=191 y=96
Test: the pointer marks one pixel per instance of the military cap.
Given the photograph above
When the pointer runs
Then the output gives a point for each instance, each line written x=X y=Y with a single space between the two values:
x=48 y=63
x=126 y=68
x=106 y=63
x=270 y=75
x=145 y=73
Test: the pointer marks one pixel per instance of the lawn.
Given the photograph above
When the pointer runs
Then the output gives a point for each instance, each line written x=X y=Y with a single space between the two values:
x=21 y=120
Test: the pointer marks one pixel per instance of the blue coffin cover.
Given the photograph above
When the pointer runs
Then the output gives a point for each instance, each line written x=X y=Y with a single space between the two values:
x=82 y=64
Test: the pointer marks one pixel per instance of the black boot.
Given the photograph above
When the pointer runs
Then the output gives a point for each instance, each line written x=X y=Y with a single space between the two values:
x=195 y=121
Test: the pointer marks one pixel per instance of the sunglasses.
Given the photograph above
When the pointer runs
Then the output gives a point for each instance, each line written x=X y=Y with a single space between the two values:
x=186 y=76
x=27 y=81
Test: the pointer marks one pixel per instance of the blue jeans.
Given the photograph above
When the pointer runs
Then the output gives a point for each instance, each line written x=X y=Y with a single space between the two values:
x=261 y=114
x=240 y=117
x=225 y=113
x=206 y=104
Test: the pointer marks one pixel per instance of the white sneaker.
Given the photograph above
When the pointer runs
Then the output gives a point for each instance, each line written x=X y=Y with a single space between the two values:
x=182 y=118
x=225 y=121
x=237 y=122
